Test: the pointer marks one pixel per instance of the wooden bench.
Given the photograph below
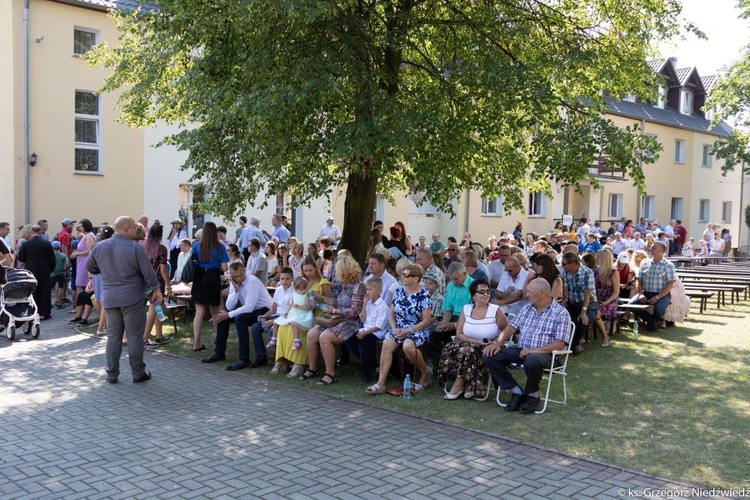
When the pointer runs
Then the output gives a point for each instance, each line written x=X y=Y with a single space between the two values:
x=702 y=296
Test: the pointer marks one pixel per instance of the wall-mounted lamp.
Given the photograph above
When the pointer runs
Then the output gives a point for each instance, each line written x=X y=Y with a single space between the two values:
x=32 y=159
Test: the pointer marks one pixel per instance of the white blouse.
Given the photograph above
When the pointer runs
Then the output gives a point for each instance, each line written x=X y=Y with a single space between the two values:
x=484 y=328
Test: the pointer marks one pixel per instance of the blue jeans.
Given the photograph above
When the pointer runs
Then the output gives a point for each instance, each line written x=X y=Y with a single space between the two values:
x=258 y=343
x=659 y=308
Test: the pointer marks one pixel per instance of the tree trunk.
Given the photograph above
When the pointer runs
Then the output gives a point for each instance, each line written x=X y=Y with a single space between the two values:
x=361 y=192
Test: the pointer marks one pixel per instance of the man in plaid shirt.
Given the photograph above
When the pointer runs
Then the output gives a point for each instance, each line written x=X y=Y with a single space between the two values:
x=655 y=281
x=543 y=326
x=579 y=296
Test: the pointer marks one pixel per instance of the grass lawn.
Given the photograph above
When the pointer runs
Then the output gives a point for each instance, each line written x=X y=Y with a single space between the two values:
x=673 y=403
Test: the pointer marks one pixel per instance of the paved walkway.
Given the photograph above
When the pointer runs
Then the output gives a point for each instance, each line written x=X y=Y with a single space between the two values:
x=196 y=431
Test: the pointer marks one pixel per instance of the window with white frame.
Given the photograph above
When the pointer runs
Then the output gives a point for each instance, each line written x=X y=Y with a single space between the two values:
x=676 y=210
x=628 y=97
x=614 y=210
x=708 y=156
x=492 y=206
x=662 y=97
x=709 y=113
x=537 y=205
x=87 y=132
x=726 y=211
x=686 y=102
x=704 y=211
x=649 y=207
x=83 y=40
x=680 y=150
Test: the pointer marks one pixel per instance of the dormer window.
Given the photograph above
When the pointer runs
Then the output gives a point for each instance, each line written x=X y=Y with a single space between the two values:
x=686 y=102
x=662 y=98
x=628 y=97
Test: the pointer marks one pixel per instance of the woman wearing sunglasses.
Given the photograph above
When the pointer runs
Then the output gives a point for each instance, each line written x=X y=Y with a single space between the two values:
x=479 y=324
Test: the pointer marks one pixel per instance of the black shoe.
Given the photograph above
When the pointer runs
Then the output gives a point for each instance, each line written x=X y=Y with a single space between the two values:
x=238 y=365
x=213 y=358
x=74 y=320
x=343 y=359
x=113 y=380
x=515 y=402
x=529 y=406
x=259 y=362
x=45 y=318
x=142 y=378
x=364 y=378
x=577 y=350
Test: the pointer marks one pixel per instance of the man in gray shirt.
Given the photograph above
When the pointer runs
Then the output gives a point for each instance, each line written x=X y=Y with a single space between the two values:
x=127 y=278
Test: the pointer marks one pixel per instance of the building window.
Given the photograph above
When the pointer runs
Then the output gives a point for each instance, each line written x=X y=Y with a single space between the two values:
x=83 y=41
x=628 y=97
x=649 y=207
x=615 y=206
x=492 y=206
x=686 y=102
x=708 y=156
x=704 y=212
x=680 y=149
x=726 y=211
x=537 y=205
x=662 y=98
x=87 y=132
x=676 y=211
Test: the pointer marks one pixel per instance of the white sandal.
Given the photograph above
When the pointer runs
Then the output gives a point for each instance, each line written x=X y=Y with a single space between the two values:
x=375 y=389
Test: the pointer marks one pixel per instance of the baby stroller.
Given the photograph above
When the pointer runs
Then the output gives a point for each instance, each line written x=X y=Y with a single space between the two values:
x=17 y=306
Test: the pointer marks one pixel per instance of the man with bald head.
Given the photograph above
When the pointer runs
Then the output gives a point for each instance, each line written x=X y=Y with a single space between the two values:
x=543 y=326
x=510 y=293
x=127 y=279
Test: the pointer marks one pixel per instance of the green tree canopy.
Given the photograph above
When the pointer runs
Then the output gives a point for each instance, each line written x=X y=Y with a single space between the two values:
x=438 y=96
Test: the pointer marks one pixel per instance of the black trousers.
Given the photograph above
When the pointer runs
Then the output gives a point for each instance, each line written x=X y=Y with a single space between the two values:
x=534 y=365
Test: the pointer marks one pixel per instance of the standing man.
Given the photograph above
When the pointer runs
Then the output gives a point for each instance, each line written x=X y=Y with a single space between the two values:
x=252 y=230
x=6 y=259
x=143 y=221
x=45 y=227
x=238 y=232
x=331 y=231
x=656 y=278
x=280 y=232
x=680 y=236
x=39 y=258
x=65 y=236
x=248 y=299
x=642 y=225
x=579 y=296
x=127 y=274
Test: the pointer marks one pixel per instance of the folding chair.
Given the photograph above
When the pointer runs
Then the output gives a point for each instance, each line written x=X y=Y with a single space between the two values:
x=557 y=368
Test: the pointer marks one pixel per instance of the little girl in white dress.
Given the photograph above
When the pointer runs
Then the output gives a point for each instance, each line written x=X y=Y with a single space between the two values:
x=300 y=315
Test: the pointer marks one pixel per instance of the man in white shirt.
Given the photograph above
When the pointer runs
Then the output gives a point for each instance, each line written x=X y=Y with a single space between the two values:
x=619 y=244
x=584 y=229
x=331 y=231
x=637 y=243
x=497 y=267
x=669 y=233
x=376 y=265
x=374 y=317
x=282 y=302
x=248 y=299
x=510 y=290
x=257 y=264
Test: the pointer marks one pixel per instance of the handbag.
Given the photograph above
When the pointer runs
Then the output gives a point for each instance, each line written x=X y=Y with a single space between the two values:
x=188 y=271
x=328 y=320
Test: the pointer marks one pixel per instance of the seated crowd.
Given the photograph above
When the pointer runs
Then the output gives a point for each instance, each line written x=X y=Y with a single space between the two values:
x=448 y=304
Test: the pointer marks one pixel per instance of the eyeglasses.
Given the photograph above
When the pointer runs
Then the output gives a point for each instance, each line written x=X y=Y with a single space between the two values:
x=482 y=292
x=453 y=250
x=409 y=275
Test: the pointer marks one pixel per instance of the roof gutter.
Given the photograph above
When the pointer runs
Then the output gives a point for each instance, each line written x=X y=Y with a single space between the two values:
x=26 y=125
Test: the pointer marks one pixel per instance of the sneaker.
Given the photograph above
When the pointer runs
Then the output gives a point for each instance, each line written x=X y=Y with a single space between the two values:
x=74 y=320
x=272 y=343
x=163 y=340
x=67 y=301
x=150 y=344
x=101 y=333
x=297 y=344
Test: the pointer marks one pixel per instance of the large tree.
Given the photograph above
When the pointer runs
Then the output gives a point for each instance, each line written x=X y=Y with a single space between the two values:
x=389 y=96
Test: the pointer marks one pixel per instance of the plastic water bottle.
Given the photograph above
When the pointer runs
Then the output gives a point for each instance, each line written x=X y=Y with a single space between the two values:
x=407 y=387
x=160 y=313
x=635 y=326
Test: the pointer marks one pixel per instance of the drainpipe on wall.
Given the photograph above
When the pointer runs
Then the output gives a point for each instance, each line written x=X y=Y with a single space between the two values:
x=26 y=126
x=637 y=195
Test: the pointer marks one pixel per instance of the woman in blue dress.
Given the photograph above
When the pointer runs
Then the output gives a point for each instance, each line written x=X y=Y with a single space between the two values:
x=409 y=321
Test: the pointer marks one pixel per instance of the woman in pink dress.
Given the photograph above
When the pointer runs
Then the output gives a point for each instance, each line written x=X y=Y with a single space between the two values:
x=85 y=245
